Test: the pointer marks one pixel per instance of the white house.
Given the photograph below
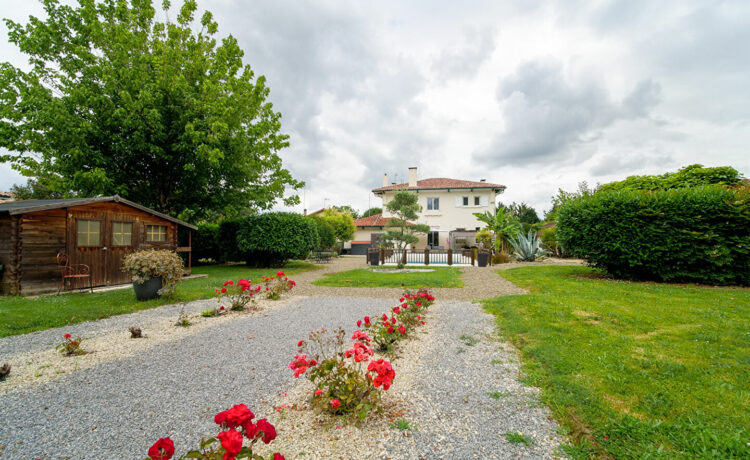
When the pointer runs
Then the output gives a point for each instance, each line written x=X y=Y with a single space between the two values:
x=447 y=207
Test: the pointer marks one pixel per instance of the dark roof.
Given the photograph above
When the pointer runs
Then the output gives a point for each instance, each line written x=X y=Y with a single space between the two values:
x=24 y=206
x=375 y=220
x=440 y=183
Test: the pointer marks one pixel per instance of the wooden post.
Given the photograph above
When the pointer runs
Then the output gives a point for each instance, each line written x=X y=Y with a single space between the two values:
x=381 y=259
x=403 y=257
x=473 y=256
x=190 y=254
x=426 y=256
x=450 y=256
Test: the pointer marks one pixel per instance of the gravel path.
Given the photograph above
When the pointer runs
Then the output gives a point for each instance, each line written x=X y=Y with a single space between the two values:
x=119 y=408
x=466 y=395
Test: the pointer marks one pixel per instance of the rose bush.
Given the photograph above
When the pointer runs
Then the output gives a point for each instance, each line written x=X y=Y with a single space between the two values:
x=277 y=285
x=236 y=296
x=345 y=382
x=71 y=346
x=237 y=425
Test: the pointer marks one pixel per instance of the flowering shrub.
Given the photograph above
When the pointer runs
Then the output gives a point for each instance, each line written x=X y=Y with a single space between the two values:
x=237 y=295
x=277 y=285
x=237 y=425
x=155 y=263
x=387 y=330
x=346 y=383
x=71 y=346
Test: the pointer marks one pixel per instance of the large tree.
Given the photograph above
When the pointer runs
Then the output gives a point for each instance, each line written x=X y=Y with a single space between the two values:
x=116 y=102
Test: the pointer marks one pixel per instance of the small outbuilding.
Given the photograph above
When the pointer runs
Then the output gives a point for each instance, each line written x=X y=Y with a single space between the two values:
x=97 y=232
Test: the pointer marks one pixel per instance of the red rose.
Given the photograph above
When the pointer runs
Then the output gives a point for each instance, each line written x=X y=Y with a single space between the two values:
x=163 y=449
x=222 y=307
x=278 y=456
x=234 y=417
x=335 y=403
x=67 y=336
x=318 y=392
x=401 y=299
x=231 y=441
x=367 y=320
x=223 y=290
x=359 y=323
x=402 y=329
x=269 y=431
x=229 y=282
x=385 y=317
x=299 y=344
x=280 y=274
x=390 y=329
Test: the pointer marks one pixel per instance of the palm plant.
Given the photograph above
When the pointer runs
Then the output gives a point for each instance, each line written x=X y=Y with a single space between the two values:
x=503 y=224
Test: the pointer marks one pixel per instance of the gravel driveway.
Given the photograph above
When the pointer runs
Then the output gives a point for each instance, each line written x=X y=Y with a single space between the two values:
x=118 y=407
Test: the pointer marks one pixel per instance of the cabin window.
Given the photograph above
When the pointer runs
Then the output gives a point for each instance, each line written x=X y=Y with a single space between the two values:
x=88 y=232
x=122 y=233
x=157 y=233
x=433 y=204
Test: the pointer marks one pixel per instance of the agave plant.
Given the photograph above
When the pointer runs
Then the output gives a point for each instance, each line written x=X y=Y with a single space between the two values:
x=527 y=247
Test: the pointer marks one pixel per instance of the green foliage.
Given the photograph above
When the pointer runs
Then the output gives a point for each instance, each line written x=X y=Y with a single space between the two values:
x=206 y=243
x=325 y=232
x=502 y=223
x=518 y=438
x=228 y=247
x=526 y=215
x=634 y=370
x=272 y=239
x=563 y=197
x=116 y=102
x=34 y=190
x=696 y=234
x=527 y=247
x=342 y=224
x=372 y=212
x=405 y=207
x=346 y=209
x=688 y=176
x=549 y=240
x=403 y=425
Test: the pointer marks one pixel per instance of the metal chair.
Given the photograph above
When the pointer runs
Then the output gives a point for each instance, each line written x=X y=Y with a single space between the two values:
x=74 y=271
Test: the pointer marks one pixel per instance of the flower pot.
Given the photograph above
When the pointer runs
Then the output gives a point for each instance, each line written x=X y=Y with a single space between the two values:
x=147 y=290
x=483 y=258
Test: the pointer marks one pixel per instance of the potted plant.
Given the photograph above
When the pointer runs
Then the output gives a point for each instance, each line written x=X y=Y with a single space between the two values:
x=483 y=258
x=154 y=272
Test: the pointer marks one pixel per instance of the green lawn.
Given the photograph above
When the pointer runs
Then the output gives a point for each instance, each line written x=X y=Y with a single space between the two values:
x=635 y=370
x=19 y=315
x=367 y=277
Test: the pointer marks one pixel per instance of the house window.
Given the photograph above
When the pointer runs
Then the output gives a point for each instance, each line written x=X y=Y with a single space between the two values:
x=476 y=201
x=433 y=204
x=122 y=233
x=88 y=232
x=433 y=239
x=466 y=201
x=157 y=233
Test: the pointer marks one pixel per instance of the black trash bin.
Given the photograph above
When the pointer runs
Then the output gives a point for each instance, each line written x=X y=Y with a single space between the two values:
x=483 y=258
x=374 y=258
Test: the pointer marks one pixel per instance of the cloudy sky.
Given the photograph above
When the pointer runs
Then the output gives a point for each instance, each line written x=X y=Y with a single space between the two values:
x=534 y=95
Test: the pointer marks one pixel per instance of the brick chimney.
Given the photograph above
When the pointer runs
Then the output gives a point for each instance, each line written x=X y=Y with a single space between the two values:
x=413 y=176
x=385 y=180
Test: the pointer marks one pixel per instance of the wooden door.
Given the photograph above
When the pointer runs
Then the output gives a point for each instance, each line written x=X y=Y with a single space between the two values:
x=87 y=244
x=122 y=236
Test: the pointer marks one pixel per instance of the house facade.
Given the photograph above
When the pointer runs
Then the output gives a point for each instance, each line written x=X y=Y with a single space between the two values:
x=448 y=207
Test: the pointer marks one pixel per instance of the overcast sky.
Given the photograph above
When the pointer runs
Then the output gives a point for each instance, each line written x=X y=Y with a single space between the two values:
x=534 y=95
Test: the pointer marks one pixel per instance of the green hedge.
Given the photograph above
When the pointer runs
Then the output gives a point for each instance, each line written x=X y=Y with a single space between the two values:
x=206 y=243
x=696 y=234
x=272 y=239
x=227 y=242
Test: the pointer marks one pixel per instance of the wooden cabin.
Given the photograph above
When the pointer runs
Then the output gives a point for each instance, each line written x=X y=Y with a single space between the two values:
x=97 y=232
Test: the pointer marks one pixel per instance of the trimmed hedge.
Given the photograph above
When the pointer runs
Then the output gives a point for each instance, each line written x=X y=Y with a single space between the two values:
x=206 y=243
x=227 y=242
x=695 y=234
x=270 y=240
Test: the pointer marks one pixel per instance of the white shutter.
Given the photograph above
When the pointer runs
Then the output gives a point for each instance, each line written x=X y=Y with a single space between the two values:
x=459 y=201
x=484 y=200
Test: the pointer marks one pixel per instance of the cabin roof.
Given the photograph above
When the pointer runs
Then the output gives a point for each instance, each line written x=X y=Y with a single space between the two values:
x=24 y=206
